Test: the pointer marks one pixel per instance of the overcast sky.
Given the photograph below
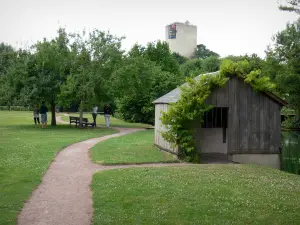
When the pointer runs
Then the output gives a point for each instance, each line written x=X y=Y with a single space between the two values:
x=231 y=27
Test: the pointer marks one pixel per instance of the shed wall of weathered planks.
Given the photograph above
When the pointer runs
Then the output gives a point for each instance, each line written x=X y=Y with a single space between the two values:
x=253 y=120
x=159 y=140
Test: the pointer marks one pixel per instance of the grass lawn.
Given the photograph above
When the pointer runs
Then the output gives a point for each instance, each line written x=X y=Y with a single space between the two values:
x=132 y=148
x=101 y=121
x=25 y=154
x=196 y=194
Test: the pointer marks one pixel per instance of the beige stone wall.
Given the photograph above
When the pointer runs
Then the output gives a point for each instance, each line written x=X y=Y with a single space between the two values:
x=185 y=42
x=271 y=160
x=210 y=140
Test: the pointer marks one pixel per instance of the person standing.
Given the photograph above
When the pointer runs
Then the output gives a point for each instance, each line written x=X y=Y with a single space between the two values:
x=107 y=114
x=95 y=110
x=43 y=112
x=36 y=114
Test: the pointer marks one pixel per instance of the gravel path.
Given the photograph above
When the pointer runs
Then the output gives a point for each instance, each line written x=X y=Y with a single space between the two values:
x=64 y=196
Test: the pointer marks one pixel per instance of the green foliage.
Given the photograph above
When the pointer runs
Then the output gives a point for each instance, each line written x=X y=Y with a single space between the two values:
x=191 y=68
x=136 y=84
x=202 y=52
x=291 y=6
x=283 y=63
x=159 y=52
x=191 y=106
x=94 y=59
x=179 y=58
x=242 y=69
x=291 y=122
x=194 y=67
x=145 y=74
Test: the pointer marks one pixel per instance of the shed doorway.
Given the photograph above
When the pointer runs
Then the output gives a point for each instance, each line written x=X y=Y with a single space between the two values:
x=212 y=136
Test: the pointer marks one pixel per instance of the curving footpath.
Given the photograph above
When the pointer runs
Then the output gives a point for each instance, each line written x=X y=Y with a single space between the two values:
x=64 y=196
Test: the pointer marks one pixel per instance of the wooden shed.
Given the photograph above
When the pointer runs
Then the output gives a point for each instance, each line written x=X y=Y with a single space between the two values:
x=244 y=126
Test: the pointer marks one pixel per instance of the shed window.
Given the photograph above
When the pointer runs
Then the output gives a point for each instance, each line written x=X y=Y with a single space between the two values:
x=216 y=118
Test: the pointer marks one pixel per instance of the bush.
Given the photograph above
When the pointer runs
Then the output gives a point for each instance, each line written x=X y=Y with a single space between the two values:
x=292 y=122
x=16 y=108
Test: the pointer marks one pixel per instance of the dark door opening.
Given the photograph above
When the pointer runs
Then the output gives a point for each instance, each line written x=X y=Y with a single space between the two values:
x=216 y=118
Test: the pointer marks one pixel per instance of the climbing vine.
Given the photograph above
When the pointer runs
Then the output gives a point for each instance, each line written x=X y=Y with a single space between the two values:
x=181 y=116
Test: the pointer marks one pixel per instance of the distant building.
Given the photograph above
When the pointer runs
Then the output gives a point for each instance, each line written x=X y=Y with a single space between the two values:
x=182 y=38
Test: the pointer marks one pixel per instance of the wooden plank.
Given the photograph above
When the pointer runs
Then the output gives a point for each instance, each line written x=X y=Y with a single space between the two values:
x=265 y=120
x=233 y=116
x=222 y=96
x=255 y=125
x=243 y=116
x=274 y=127
x=277 y=129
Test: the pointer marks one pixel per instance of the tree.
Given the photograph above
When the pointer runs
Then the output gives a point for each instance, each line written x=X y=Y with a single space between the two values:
x=136 y=84
x=291 y=6
x=286 y=55
x=194 y=67
x=202 y=52
x=160 y=53
x=255 y=62
x=50 y=69
x=14 y=76
x=179 y=58
x=94 y=58
x=211 y=64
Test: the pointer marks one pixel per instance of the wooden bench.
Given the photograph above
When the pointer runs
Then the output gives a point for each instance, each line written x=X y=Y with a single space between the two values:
x=85 y=121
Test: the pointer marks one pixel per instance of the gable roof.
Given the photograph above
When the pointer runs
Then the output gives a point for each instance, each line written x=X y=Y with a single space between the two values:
x=174 y=95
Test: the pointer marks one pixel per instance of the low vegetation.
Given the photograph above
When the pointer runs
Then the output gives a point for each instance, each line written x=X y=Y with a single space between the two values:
x=25 y=154
x=133 y=148
x=199 y=194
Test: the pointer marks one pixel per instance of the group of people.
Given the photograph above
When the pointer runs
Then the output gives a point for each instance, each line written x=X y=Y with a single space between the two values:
x=36 y=114
x=107 y=113
x=43 y=111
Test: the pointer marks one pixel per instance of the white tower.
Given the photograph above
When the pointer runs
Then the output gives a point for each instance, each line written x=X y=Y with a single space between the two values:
x=182 y=38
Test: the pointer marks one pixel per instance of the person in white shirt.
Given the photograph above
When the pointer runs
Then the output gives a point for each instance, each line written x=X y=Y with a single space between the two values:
x=95 y=109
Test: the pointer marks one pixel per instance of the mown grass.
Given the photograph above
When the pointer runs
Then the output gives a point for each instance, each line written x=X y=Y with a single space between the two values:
x=26 y=152
x=132 y=148
x=196 y=194
x=101 y=121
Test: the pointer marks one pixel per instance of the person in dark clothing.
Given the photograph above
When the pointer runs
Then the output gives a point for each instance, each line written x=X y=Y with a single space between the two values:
x=43 y=112
x=107 y=113
x=36 y=114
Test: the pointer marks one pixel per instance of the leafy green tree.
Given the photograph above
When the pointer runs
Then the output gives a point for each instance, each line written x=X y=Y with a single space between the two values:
x=192 y=68
x=136 y=84
x=202 y=52
x=291 y=6
x=160 y=53
x=282 y=63
x=51 y=65
x=211 y=64
x=255 y=62
x=14 y=76
x=179 y=58
x=94 y=59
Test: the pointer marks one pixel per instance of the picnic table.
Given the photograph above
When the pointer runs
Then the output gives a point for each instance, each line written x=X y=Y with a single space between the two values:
x=85 y=121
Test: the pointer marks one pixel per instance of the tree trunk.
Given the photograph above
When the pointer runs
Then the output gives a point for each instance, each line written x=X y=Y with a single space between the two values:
x=53 y=120
x=80 y=114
